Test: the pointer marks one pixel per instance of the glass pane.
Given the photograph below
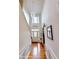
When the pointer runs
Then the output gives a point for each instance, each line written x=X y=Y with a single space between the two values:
x=35 y=19
x=38 y=34
x=35 y=34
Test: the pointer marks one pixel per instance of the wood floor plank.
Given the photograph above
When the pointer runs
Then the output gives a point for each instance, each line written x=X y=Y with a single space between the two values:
x=37 y=52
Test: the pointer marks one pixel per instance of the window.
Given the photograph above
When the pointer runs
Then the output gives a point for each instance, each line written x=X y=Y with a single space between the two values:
x=35 y=33
x=35 y=19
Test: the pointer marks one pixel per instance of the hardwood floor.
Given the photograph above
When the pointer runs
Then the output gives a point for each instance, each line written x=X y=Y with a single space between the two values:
x=38 y=51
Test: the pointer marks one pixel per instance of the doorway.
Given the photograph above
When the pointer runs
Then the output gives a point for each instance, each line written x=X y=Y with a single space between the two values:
x=35 y=35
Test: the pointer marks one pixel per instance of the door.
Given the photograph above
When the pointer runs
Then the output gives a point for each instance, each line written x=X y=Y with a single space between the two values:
x=43 y=36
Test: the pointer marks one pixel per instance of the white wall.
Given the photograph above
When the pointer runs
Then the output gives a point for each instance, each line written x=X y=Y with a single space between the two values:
x=50 y=16
x=24 y=31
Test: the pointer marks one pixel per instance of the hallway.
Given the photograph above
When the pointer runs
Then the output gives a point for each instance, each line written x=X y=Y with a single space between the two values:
x=37 y=52
x=38 y=22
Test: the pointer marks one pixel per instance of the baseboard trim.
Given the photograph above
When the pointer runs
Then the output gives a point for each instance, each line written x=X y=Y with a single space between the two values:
x=25 y=53
x=22 y=51
x=51 y=52
x=28 y=54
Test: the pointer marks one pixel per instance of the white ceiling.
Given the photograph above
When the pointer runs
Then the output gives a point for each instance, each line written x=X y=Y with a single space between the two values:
x=34 y=6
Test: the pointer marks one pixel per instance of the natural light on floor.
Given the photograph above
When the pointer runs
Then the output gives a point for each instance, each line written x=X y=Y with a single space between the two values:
x=35 y=51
